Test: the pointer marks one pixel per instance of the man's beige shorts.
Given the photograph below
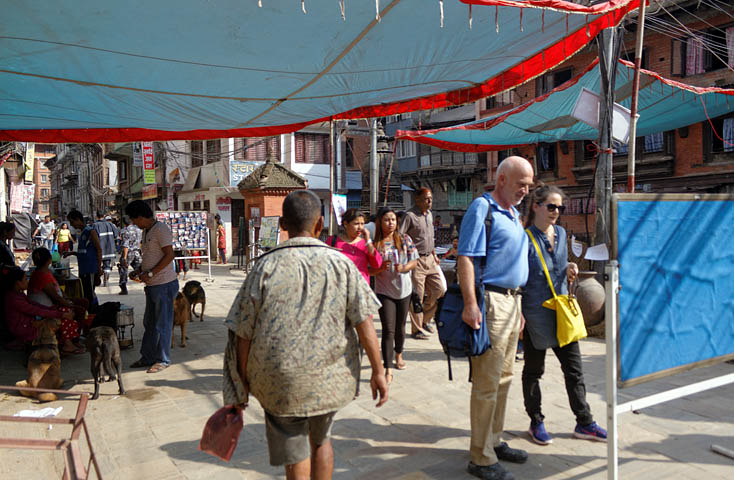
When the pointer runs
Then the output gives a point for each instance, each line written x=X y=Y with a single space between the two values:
x=288 y=437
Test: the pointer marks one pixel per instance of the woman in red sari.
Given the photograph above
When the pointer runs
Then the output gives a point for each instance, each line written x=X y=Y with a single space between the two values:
x=44 y=290
x=20 y=311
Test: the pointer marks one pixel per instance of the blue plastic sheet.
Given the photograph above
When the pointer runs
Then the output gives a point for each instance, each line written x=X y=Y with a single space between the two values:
x=676 y=303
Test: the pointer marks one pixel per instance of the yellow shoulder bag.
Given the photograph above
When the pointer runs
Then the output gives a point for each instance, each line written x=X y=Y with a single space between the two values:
x=570 y=325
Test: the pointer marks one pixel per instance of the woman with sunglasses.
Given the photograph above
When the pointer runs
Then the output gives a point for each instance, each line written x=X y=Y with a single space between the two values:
x=545 y=207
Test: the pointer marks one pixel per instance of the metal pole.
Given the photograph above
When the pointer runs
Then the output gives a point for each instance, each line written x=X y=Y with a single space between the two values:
x=209 y=253
x=374 y=167
x=632 y=147
x=611 y=286
x=604 y=173
x=331 y=178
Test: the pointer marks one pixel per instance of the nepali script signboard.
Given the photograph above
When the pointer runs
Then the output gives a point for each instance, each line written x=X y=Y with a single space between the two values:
x=238 y=170
x=148 y=163
x=676 y=301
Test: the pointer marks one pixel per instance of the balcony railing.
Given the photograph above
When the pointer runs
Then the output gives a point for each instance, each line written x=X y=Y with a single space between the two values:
x=460 y=200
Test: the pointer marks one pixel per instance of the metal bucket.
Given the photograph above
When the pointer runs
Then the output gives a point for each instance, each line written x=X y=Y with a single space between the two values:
x=125 y=325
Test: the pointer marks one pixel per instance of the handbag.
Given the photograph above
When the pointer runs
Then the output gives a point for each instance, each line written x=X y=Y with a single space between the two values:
x=221 y=433
x=570 y=326
x=457 y=338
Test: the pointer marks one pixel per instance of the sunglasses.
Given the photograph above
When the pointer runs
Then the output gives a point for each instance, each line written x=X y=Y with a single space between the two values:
x=552 y=207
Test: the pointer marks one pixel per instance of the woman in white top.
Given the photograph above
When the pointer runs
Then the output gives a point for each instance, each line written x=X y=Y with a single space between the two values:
x=393 y=286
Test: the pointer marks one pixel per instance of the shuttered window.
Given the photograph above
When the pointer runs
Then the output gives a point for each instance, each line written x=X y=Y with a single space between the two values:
x=256 y=148
x=312 y=148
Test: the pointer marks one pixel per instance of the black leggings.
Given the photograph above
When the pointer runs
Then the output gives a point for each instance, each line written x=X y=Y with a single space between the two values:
x=392 y=316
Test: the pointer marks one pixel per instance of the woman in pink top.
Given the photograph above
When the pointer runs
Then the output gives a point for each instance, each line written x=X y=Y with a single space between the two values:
x=20 y=311
x=356 y=243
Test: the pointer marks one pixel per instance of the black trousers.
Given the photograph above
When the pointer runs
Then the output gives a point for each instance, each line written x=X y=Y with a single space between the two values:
x=88 y=287
x=392 y=316
x=570 y=358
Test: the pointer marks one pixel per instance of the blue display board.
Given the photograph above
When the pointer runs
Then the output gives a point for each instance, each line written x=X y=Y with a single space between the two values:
x=676 y=272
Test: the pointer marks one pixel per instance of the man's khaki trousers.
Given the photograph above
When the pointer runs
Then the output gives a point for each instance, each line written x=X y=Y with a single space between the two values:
x=492 y=375
x=429 y=287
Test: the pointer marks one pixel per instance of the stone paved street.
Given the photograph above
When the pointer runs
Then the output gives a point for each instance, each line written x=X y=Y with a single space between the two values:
x=421 y=433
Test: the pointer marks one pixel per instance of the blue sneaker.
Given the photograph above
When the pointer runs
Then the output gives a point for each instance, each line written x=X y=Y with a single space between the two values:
x=539 y=435
x=591 y=431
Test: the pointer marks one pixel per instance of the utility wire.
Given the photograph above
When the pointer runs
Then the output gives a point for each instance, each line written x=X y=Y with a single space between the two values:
x=692 y=34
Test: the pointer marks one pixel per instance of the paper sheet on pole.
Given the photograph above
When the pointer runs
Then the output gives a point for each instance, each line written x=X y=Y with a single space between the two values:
x=597 y=253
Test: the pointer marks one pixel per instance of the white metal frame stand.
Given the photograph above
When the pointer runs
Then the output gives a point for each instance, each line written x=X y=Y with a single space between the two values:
x=611 y=277
x=209 y=256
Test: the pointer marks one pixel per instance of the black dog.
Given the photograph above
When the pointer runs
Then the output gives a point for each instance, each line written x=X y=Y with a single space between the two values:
x=106 y=315
x=194 y=293
x=105 y=352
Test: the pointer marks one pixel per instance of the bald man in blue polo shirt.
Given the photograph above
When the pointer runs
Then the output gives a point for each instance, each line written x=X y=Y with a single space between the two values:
x=506 y=270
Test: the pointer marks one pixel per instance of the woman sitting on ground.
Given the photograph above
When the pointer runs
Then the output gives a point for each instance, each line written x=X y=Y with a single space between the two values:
x=44 y=290
x=393 y=286
x=356 y=243
x=20 y=311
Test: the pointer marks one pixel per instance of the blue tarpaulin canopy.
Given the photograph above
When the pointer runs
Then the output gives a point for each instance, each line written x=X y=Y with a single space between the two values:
x=663 y=105
x=90 y=71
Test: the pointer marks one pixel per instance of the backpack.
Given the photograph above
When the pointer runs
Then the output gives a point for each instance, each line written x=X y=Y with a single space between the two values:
x=456 y=337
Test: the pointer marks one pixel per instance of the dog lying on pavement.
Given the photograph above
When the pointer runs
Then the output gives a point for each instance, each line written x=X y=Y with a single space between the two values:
x=44 y=362
x=104 y=350
x=181 y=317
x=195 y=294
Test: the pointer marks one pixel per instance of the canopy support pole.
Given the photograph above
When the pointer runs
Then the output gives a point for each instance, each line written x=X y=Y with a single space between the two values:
x=373 y=167
x=604 y=174
x=332 y=229
x=631 y=149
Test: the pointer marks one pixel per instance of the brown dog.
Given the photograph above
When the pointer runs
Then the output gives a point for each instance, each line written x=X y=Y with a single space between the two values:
x=104 y=350
x=195 y=294
x=181 y=317
x=44 y=363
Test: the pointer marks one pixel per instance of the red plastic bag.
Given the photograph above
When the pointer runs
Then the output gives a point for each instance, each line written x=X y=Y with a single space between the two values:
x=221 y=432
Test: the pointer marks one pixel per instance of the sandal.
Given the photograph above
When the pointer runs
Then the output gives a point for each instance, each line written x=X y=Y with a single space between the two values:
x=75 y=351
x=388 y=377
x=140 y=364
x=158 y=367
x=401 y=365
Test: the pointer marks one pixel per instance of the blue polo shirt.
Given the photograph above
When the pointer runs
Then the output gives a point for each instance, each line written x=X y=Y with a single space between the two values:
x=507 y=259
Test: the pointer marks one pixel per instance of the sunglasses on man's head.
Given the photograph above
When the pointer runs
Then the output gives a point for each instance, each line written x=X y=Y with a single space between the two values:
x=552 y=207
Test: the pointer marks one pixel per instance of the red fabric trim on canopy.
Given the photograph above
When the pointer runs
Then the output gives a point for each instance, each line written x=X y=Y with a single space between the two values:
x=419 y=136
x=611 y=13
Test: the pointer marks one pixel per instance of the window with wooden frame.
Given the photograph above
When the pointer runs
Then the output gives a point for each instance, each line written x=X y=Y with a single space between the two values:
x=405 y=149
x=629 y=55
x=349 y=152
x=313 y=148
x=256 y=148
x=197 y=153
x=546 y=158
x=122 y=169
x=654 y=143
x=549 y=81
x=705 y=51
x=213 y=151
x=718 y=139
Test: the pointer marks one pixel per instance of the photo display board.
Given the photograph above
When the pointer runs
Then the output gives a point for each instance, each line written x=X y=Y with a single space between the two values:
x=269 y=232
x=676 y=298
x=188 y=229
